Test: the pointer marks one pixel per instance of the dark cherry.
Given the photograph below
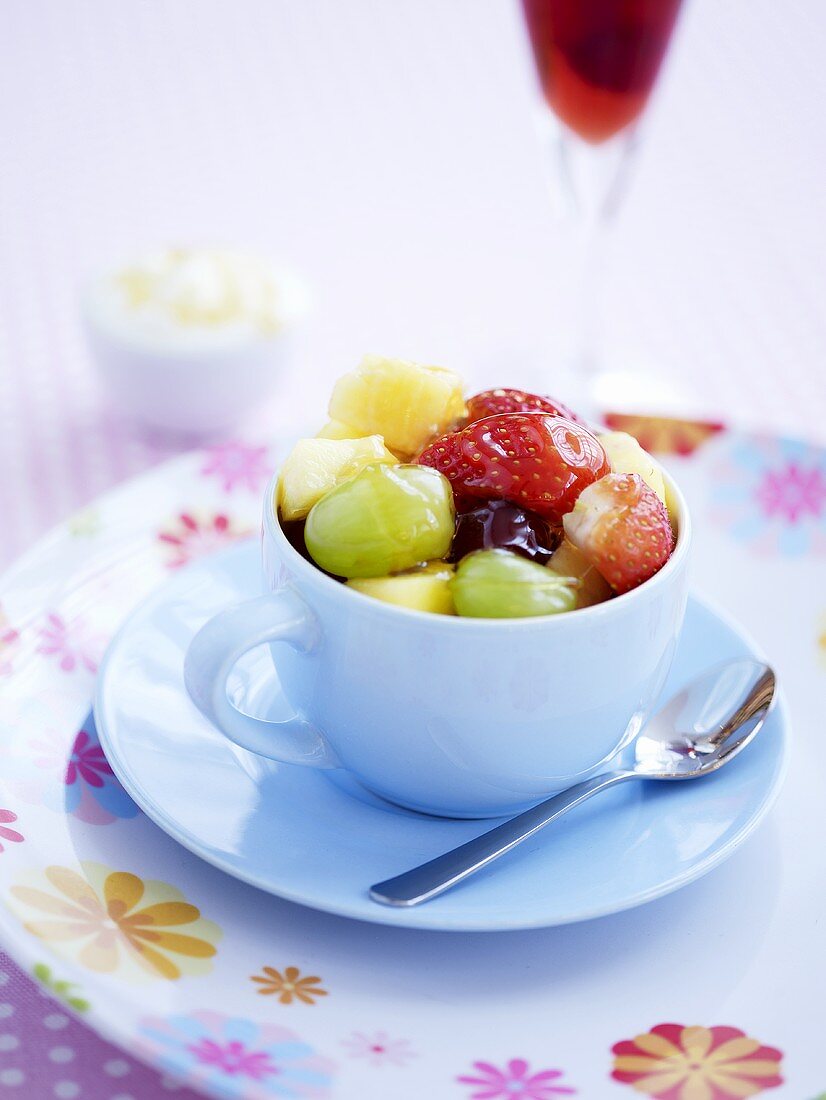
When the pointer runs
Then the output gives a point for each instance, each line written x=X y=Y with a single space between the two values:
x=294 y=530
x=498 y=524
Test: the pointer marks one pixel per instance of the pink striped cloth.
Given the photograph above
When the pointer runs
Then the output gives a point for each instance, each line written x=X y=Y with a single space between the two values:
x=63 y=1059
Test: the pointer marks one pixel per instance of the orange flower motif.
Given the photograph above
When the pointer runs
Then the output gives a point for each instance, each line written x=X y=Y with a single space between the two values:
x=289 y=985
x=114 y=921
x=672 y=1062
x=663 y=434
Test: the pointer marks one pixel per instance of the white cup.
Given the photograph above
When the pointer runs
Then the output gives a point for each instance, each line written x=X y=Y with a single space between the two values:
x=446 y=715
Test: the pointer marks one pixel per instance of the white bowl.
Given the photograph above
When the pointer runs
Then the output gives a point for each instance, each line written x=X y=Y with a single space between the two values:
x=190 y=378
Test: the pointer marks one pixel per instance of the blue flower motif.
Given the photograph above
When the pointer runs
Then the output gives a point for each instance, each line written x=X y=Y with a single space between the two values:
x=771 y=494
x=237 y=1058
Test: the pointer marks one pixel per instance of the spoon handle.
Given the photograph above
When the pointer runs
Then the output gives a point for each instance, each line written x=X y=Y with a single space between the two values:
x=433 y=878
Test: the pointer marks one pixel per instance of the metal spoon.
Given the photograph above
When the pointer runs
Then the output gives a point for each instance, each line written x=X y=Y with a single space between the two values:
x=701 y=728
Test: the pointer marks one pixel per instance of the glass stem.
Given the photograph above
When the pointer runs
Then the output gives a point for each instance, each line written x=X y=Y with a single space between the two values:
x=593 y=179
x=587 y=348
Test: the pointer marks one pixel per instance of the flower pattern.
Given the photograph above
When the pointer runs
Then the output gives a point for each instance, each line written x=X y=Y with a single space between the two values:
x=9 y=640
x=379 y=1049
x=113 y=921
x=73 y=645
x=92 y=793
x=86 y=761
x=60 y=989
x=235 y=464
x=234 y=1058
x=85 y=524
x=663 y=434
x=289 y=986
x=11 y=836
x=244 y=1058
x=673 y=1062
x=72 y=778
x=515 y=1082
x=195 y=536
x=771 y=493
x=237 y=1058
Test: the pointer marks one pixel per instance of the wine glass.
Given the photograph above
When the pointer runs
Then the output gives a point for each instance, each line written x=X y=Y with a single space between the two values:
x=597 y=62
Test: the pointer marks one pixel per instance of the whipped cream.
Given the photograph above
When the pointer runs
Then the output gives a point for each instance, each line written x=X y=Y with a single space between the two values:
x=191 y=297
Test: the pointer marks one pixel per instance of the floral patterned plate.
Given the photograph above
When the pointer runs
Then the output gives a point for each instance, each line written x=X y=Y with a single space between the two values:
x=242 y=994
x=320 y=839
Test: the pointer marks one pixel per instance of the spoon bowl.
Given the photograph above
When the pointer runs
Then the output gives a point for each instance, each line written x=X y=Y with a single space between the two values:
x=707 y=723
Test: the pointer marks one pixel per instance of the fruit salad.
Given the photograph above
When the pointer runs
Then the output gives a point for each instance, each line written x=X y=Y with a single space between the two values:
x=504 y=504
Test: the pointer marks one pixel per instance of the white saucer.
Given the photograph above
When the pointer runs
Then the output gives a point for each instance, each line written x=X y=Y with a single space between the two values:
x=320 y=839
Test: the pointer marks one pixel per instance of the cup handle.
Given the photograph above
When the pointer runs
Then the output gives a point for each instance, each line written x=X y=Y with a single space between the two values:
x=217 y=648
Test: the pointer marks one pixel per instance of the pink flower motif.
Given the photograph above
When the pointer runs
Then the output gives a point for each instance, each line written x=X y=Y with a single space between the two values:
x=514 y=1082
x=232 y=1056
x=68 y=774
x=71 y=644
x=88 y=761
x=770 y=493
x=793 y=493
x=9 y=835
x=195 y=537
x=8 y=639
x=47 y=753
x=378 y=1049
x=8 y=643
x=234 y=1059
x=237 y=464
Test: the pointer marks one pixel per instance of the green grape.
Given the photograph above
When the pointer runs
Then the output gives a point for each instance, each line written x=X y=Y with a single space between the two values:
x=500 y=584
x=384 y=520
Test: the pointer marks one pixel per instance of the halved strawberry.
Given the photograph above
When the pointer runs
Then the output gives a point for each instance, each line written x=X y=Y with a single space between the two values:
x=540 y=462
x=622 y=527
x=495 y=402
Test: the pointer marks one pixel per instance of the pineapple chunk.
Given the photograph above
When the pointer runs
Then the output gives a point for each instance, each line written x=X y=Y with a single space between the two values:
x=627 y=457
x=315 y=466
x=336 y=429
x=404 y=402
x=671 y=508
x=425 y=589
x=569 y=561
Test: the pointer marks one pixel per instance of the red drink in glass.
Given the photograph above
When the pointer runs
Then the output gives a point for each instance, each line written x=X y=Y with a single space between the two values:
x=598 y=59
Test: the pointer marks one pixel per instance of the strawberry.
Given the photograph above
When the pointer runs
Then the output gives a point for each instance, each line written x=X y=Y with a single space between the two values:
x=622 y=527
x=494 y=402
x=540 y=462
